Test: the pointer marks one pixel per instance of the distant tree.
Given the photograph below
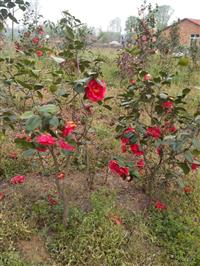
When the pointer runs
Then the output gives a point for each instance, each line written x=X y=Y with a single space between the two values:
x=35 y=8
x=115 y=25
x=163 y=15
x=131 y=23
x=174 y=36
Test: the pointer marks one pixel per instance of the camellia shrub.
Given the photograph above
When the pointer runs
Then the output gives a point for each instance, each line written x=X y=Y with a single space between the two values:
x=50 y=109
x=144 y=43
x=159 y=136
x=47 y=133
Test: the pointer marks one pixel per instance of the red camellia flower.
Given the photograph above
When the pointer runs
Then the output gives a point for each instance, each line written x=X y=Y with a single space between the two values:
x=13 y=155
x=126 y=140
x=172 y=129
x=155 y=132
x=168 y=105
x=65 y=146
x=61 y=176
x=160 y=205
x=40 y=30
x=1 y=196
x=95 y=90
x=133 y=81
x=144 y=38
x=154 y=39
x=68 y=129
x=52 y=201
x=135 y=148
x=39 y=53
x=36 y=40
x=140 y=164
x=195 y=166
x=128 y=130
x=45 y=140
x=19 y=179
x=88 y=108
x=187 y=189
x=41 y=149
x=20 y=136
x=28 y=138
x=147 y=77
x=120 y=170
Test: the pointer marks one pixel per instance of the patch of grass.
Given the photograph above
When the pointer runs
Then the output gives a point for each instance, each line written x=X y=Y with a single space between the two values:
x=177 y=231
x=12 y=259
x=94 y=239
x=14 y=227
x=12 y=167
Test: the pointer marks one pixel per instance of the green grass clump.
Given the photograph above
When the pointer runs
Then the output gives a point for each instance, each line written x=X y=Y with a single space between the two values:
x=12 y=259
x=93 y=238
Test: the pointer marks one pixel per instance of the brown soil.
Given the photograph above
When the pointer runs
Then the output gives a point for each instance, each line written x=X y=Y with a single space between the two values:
x=34 y=251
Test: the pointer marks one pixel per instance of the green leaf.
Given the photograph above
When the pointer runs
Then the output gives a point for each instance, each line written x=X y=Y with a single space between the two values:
x=54 y=121
x=22 y=143
x=67 y=152
x=12 y=18
x=40 y=95
x=10 y=5
x=38 y=86
x=197 y=119
x=49 y=108
x=4 y=13
x=79 y=88
x=108 y=98
x=186 y=91
x=33 y=123
x=134 y=174
x=189 y=156
x=27 y=115
x=184 y=167
x=62 y=93
x=180 y=181
x=196 y=143
x=29 y=153
x=108 y=107
x=163 y=96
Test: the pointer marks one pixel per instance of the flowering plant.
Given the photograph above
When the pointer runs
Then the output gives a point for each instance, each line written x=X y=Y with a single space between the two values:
x=160 y=133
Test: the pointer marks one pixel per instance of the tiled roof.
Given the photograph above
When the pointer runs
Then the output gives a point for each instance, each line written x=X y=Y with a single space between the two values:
x=196 y=21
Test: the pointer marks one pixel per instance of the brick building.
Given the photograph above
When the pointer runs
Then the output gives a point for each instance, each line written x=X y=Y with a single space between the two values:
x=189 y=29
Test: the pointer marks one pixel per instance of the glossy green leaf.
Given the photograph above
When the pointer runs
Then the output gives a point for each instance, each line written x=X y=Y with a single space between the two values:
x=33 y=123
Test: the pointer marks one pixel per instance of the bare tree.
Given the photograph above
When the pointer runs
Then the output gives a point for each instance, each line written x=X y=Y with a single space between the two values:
x=35 y=7
x=115 y=25
x=163 y=15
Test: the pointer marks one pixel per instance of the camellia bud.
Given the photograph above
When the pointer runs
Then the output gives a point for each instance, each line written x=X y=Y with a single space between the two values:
x=133 y=81
x=61 y=175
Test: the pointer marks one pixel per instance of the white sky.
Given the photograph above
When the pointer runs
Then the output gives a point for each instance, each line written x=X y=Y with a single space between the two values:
x=100 y=13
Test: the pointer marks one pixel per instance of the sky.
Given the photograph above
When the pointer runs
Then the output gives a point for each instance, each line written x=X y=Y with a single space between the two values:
x=100 y=13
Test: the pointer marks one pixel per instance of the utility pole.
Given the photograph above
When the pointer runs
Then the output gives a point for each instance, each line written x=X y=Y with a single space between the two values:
x=13 y=13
